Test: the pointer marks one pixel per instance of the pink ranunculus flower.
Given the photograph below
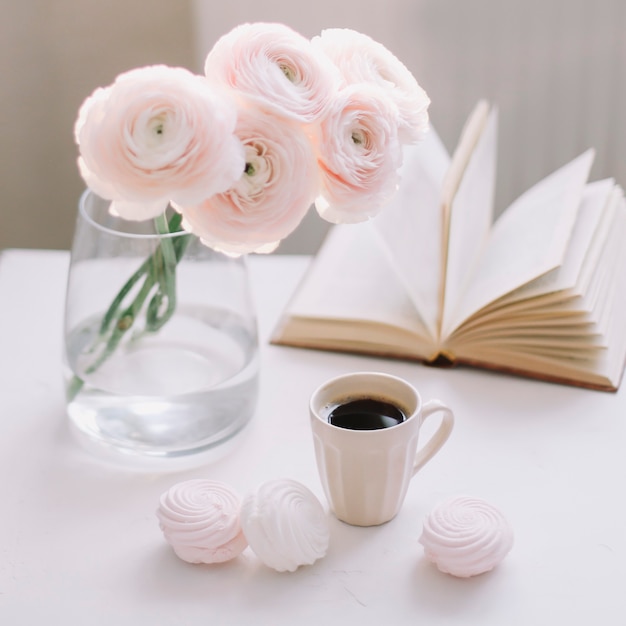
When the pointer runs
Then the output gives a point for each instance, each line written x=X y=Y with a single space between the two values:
x=157 y=134
x=359 y=154
x=361 y=59
x=272 y=196
x=276 y=65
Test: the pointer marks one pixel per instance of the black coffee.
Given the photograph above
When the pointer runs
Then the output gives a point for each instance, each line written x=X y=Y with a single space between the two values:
x=366 y=414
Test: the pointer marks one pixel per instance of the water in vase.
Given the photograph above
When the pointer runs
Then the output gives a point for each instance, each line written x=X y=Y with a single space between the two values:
x=186 y=388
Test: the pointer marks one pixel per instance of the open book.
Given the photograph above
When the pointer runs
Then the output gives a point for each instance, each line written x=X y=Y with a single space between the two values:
x=541 y=292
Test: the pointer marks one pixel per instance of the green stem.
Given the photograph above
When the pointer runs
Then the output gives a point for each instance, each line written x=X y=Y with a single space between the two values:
x=180 y=244
x=158 y=270
x=124 y=323
x=166 y=275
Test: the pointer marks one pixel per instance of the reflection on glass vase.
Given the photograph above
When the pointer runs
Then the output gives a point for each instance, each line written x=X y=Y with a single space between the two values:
x=161 y=346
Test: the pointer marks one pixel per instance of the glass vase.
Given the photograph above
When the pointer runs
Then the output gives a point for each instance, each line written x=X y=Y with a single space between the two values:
x=161 y=345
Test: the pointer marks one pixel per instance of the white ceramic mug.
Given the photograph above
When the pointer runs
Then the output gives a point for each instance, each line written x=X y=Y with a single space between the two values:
x=366 y=473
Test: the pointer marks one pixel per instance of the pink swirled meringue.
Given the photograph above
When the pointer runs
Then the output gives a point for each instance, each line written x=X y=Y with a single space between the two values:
x=466 y=536
x=200 y=520
x=285 y=525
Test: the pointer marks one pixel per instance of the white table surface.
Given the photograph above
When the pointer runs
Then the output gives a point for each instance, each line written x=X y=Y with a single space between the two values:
x=80 y=543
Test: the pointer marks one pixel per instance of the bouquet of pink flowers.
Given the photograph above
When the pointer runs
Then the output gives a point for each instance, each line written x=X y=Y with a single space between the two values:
x=277 y=124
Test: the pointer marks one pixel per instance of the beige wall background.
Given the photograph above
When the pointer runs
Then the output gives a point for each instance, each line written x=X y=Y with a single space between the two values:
x=555 y=68
x=52 y=55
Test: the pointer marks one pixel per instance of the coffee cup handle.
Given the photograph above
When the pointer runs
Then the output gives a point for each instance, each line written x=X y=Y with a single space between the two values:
x=439 y=437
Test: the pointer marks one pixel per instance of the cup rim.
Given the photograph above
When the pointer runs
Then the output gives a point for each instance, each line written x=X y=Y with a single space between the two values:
x=382 y=375
x=82 y=209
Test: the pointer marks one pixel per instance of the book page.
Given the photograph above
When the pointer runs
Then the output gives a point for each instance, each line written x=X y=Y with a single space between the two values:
x=591 y=353
x=470 y=205
x=528 y=240
x=558 y=293
x=596 y=202
x=410 y=227
x=351 y=279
